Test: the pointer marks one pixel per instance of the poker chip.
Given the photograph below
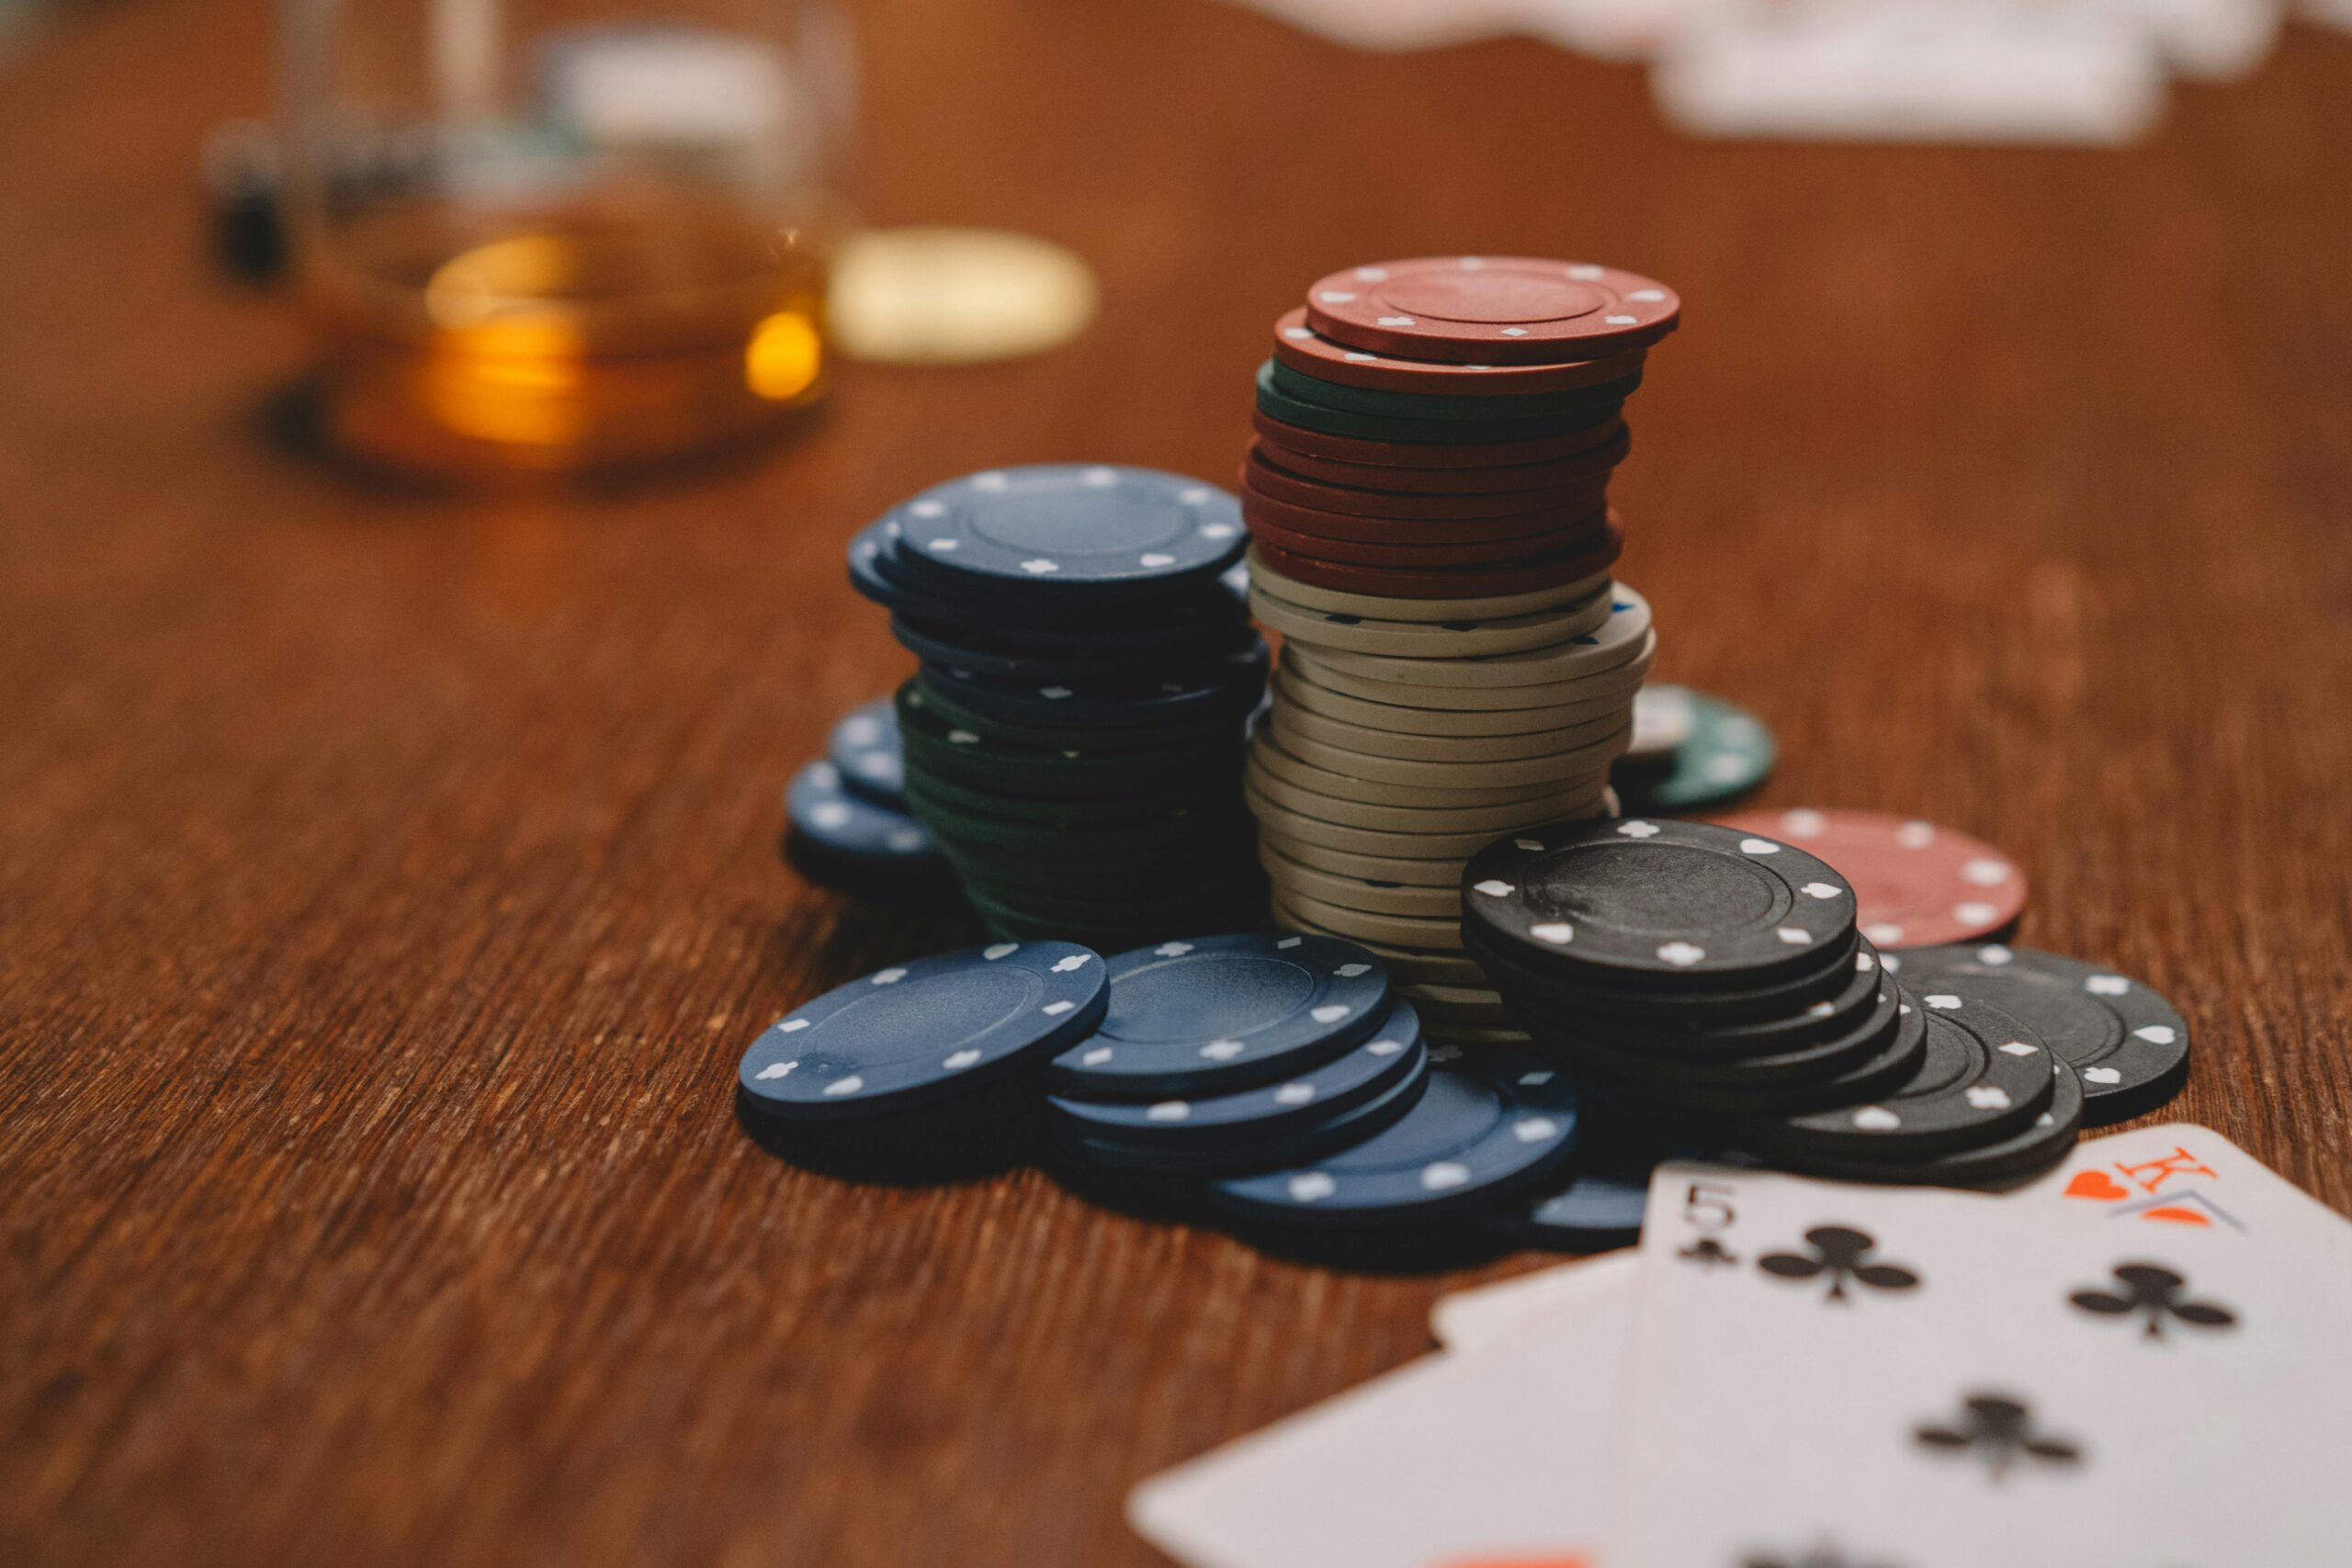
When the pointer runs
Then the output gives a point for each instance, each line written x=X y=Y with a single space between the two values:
x=1288 y=443
x=1246 y=1119
x=1482 y=579
x=1716 y=752
x=865 y=747
x=1285 y=403
x=1583 y=605
x=1308 y=351
x=1457 y=403
x=1650 y=902
x=852 y=844
x=1429 y=642
x=1572 y=460
x=1919 y=885
x=1225 y=1013
x=1491 y=309
x=1487 y=1126
x=1072 y=526
x=2040 y=1144
x=1983 y=1077
x=1598 y=1202
x=918 y=1032
x=2128 y=1046
x=1332 y=1131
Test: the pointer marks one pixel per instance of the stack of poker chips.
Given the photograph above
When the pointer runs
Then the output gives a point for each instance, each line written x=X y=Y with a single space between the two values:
x=1073 y=737
x=847 y=824
x=1718 y=980
x=1432 y=538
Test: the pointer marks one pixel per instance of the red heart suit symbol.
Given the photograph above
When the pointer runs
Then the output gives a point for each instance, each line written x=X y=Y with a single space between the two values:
x=2096 y=1184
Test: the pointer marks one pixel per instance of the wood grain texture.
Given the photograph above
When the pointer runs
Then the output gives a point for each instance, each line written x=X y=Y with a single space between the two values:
x=386 y=884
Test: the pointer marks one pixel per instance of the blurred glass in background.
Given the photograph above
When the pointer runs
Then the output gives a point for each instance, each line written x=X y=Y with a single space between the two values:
x=561 y=235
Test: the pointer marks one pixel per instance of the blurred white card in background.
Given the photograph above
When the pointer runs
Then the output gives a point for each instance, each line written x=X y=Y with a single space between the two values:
x=1391 y=25
x=1985 y=71
x=2217 y=39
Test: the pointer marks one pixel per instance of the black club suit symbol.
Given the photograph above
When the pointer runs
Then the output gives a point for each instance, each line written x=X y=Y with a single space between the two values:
x=2154 y=1294
x=1707 y=1252
x=1838 y=1253
x=1998 y=1431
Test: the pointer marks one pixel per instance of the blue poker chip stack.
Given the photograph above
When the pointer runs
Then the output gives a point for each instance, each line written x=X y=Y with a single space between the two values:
x=847 y=824
x=1073 y=737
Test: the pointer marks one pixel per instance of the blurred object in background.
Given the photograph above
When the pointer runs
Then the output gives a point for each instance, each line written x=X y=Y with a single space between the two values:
x=956 y=296
x=560 y=235
x=1982 y=71
x=1991 y=71
x=243 y=187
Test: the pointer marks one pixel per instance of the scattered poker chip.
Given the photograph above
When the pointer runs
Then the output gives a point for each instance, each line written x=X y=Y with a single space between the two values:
x=1073 y=526
x=1225 y=1013
x=920 y=1032
x=1918 y=885
x=1644 y=901
x=1485 y=1128
x=1362 y=1073
x=1722 y=752
x=1308 y=351
x=865 y=747
x=2127 y=1044
x=849 y=842
x=1491 y=309
x=1983 y=1076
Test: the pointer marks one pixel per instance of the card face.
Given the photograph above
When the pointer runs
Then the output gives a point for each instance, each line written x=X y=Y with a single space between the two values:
x=1498 y=1454
x=1467 y=1320
x=1910 y=1377
x=2184 y=1177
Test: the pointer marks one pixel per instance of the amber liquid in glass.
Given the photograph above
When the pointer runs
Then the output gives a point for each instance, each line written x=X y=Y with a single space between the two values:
x=597 y=332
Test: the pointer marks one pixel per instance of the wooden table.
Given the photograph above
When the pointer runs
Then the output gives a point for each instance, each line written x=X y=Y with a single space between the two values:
x=388 y=887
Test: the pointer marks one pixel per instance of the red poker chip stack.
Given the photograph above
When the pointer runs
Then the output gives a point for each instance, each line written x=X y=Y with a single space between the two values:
x=1432 y=535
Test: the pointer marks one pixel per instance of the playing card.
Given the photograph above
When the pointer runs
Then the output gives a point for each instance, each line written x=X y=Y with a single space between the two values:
x=2065 y=71
x=1384 y=25
x=1612 y=29
x=1929 y=1379
x=1467 y=1320
x=1503 y=1452
x=2213 y=38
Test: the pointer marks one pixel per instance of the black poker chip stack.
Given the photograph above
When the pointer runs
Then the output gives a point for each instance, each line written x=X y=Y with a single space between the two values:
x=1716 y=981
x=1074 y=735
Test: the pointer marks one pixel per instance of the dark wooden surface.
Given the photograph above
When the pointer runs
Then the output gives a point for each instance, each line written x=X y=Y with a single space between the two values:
x=386 y=884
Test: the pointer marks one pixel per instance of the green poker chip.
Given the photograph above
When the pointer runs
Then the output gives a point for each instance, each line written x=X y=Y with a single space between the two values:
x=1275 y=403
x=1725 y=752
x=924 y=693
x=1567 y=408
